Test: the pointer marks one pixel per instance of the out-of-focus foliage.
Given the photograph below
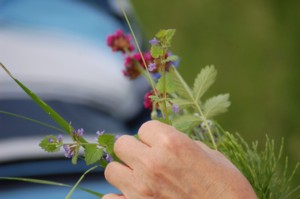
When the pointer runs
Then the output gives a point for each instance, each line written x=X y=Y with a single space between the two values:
x=255 y=46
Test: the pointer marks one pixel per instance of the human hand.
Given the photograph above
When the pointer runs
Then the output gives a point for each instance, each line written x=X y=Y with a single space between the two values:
x=166 y=164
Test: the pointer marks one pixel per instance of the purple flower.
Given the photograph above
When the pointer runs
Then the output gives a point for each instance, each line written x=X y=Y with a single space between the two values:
x=153 y=41
x=50 y=140
x=59 y=138
x=175 y=108
x=108 y=157
x=117 y=137
x=69 y=151
x=151 y=67
x=99 y=133
x=78 y=132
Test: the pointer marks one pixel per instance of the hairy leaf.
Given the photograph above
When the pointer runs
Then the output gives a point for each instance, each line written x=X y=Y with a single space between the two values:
x=92 y=154
x=182 y=89
x=156 y=51
x=182 y=103
x=216 y=105
x=165 y=36
x=107 y=141
x=203 y=81
x=170 y=87
x=186 y=122
x=170 y=58
x=50 y=146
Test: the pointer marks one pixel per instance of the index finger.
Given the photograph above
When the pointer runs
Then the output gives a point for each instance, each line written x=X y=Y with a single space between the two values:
x=154 y=132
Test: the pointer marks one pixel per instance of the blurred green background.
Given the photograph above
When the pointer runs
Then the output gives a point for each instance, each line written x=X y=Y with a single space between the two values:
x=255 y=46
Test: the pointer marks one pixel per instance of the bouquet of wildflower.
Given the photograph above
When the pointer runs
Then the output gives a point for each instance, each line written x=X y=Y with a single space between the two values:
x=172 y=101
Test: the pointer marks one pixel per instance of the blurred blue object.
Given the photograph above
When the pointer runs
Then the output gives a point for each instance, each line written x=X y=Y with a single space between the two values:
x=58 y=49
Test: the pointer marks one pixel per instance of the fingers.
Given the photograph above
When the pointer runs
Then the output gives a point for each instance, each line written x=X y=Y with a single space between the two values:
x=153 y=131
x=113 y=196
x=129 y=150
x=203 y=146
x=118 y=175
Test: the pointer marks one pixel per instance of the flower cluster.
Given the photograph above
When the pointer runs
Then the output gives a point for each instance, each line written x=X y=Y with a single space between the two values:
x=155 y=61
x=120 y=42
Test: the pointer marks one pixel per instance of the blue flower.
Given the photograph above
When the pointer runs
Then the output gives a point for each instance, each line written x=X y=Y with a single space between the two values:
x=151 y=67
x=153 y=41
x=107 y=157
x=175 y=108
x=78 y=132
x=59 y=138
x=69 y=151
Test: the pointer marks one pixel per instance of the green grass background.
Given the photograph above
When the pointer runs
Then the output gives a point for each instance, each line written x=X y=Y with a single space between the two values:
x=255 y=46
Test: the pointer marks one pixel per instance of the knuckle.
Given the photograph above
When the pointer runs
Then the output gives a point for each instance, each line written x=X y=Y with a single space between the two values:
x=145 y=126
x=109 y=170
x=171 y=141
x=145 y=190
x=154 y=168
x=120 y=143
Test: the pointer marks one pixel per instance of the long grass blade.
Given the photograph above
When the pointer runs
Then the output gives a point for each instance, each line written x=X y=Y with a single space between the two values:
x=31 y=120
x=53 y=114
x=46 y=182
x=77 y=183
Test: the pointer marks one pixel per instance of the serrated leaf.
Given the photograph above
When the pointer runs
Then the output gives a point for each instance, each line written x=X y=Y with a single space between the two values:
x=92 y=154
x=156 y=51
x=170 y=58
x=186 y=122
x=50 y=146
x=182 y=89
x=182 y=103
x=216 y=105
x=165 y=36
x=170 y=87
x=107 y=141
x=203 y=81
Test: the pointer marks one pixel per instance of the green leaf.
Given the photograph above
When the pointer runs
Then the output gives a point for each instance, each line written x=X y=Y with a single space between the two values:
x=47 y=182
x=50 y=146
x=170 y=87
x=182 y=89
x=182 y=103
x=107 y=141
x=157 y=51
x=165 y=36
x=54 y=115
x=92 y=154
x=203 y=81
x=186 y=122
x=216 y=105
x=170 y=58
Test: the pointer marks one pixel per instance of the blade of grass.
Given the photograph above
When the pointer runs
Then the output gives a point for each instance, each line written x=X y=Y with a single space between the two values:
x=77 y=183
x=53 y=114
x=46 y=182
x=31 y=120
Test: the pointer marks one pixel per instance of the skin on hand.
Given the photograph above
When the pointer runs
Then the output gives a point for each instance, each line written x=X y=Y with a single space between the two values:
x=166 y=164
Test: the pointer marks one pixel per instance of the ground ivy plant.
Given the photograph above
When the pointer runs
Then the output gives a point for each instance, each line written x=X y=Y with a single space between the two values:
x=172 y=101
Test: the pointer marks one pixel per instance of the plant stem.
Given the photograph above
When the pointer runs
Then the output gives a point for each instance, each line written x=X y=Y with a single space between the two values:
x=138 y=46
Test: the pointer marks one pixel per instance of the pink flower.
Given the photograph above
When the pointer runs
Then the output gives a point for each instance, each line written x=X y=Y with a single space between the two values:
x=120 y=42
x=133 y=64
x=147 y=100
